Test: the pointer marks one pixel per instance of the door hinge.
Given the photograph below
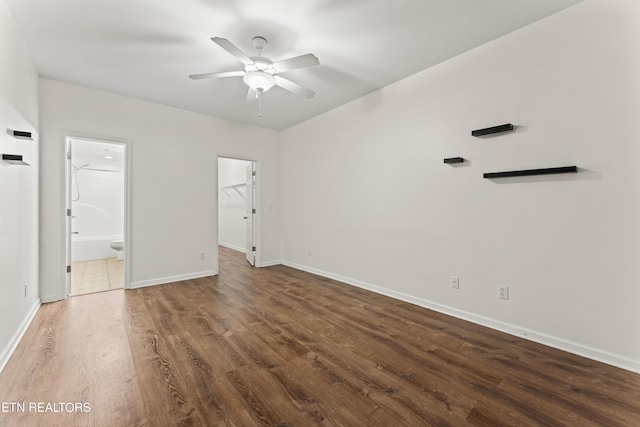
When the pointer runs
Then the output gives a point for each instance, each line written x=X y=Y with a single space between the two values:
x=253 y=249
x=68 y=212
x=68 y=155
x=253 y=211
x=253 y=173
x=68 y=269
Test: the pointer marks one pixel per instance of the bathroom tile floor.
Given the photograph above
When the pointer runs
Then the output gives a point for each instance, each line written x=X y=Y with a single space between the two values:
x=96 y=275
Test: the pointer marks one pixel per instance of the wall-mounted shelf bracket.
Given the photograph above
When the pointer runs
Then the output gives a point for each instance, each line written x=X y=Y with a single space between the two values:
x=14 y=159
x=495 y=129
x=451 y=160
x=532 y=172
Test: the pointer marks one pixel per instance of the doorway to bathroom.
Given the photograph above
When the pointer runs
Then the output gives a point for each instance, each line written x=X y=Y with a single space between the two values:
x=236 y=206
x=95 y=216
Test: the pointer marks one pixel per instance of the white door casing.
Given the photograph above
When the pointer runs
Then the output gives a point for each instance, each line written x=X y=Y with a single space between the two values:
x=250 y=213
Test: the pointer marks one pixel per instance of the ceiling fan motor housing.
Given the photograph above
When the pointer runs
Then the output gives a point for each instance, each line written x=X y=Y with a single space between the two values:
x=259 y=42
x=259 y=75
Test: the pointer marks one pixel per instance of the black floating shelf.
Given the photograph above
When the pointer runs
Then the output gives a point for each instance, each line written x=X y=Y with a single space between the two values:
x=495 y=129
x=20 y=134
x=531 y=172
x=15 y=159
x=451 y=160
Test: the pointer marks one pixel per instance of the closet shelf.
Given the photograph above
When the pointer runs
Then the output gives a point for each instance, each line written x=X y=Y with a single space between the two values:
x=234 y=188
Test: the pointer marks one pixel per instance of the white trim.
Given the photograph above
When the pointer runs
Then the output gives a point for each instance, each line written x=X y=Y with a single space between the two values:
x=235 y=248
x=171 y=279
x=270 y=263
x=257 y=224
x=528 y=334
x=263 y=264
x=65 y=240
x=49 y=298
x=15 y=340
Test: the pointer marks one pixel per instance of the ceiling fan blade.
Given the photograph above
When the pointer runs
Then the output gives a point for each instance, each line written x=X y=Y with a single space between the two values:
x=217 y=75
x=251 y=96
x=232 y=49
x=293 y=87
x=302 y=61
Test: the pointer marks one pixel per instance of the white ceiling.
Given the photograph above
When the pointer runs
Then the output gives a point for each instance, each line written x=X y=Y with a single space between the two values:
x=97 y=155
x=146 y=48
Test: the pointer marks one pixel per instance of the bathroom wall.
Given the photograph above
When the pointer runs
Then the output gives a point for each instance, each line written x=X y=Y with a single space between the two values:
x=98 y=215
x=18 y=188
x=231 y=205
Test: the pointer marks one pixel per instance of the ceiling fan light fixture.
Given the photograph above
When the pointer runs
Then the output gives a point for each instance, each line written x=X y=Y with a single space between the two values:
x=261 y=73
x=259 y=81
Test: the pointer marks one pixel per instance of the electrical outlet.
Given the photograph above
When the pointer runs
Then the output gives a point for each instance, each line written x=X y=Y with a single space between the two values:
x=503 y=292
x=203 y=255
x=455 y=282
x=309 y=252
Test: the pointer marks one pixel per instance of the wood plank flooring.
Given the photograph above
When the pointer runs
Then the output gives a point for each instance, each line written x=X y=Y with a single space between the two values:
x=280 y=347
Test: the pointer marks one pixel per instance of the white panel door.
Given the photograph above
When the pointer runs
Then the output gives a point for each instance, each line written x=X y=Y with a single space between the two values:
x=250 y=214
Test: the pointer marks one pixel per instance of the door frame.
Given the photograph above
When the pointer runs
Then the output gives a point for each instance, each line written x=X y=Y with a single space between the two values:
x=257 y=206
x=65 y=283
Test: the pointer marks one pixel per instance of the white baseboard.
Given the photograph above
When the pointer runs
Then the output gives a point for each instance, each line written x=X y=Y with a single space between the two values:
x=531 y=335
x=270 y=263
x=243 y=250
x=15 y=339
x=49 y=298
x=230 y=246
x=171 y=279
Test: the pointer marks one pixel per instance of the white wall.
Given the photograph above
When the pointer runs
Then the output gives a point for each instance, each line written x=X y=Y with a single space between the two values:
x=102 y=199
x=232 y=227
x=173 y=170
x=365 y=188
x=18 y=188
x=98 y=213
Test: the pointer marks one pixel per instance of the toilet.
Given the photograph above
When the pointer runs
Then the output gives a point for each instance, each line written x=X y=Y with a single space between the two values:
x=118 y=246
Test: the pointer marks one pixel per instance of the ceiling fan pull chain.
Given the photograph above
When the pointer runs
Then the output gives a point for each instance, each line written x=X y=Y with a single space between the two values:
x=259 y=95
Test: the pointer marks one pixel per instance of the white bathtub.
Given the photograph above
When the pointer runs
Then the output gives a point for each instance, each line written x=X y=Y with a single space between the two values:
x=92 y=247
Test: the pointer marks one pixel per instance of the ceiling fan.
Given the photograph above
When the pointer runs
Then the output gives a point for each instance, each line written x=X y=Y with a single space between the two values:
x=260 y=73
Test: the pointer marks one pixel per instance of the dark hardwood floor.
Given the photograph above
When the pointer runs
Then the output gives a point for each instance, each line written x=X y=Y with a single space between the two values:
x=276 y=346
